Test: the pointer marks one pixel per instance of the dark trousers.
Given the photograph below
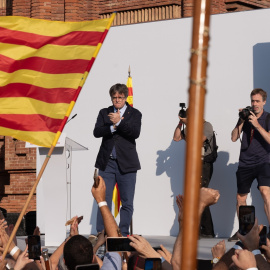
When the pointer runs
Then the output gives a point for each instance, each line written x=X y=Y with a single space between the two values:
x=126 y=184
x=206 y=219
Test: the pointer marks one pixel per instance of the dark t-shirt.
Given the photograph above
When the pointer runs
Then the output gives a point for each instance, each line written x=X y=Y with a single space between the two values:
x=254 y=150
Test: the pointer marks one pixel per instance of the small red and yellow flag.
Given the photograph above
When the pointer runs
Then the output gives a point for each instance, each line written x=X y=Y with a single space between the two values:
x=43 y=66
x=116 y=200
x=130 y=91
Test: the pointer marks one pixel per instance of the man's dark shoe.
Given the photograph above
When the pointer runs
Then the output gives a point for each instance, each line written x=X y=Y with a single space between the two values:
x=207 y=235
x=233 y=238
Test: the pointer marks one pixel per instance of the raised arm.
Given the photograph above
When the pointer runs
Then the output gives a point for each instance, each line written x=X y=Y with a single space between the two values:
x=177 y=136
x=208 y=197
x=130 y=126
x=244 y=259
x=177 y=133
x=249 y=241
x=54 y=258
x=237 y=130
x=99 y=193
x=176 y=256
x=102 y=126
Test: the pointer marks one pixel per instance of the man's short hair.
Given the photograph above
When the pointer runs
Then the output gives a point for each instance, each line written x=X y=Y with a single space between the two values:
x=77 y=251
x=259 y=91
x=119 y=88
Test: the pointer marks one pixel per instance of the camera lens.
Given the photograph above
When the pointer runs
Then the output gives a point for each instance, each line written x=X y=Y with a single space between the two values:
x=183 y=113
x=245 y=113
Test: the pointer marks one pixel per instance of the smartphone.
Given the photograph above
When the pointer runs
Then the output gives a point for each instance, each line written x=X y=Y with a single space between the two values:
x=119 y=244
x=263 y=236
x=152 y=264
x=91 y=266
x=34 y=247
x=246 y=218
x=157 y=248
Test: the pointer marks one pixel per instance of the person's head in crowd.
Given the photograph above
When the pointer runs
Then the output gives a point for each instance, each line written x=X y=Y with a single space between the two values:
x=77 y=251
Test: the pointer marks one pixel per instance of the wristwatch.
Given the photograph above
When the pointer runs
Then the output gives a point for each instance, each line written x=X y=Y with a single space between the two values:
x=215 y=260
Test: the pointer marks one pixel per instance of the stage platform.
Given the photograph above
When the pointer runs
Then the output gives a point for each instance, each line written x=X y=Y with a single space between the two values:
x=204 y=247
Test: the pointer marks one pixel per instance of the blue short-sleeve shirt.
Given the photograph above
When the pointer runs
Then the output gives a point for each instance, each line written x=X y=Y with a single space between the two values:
x=254 y=149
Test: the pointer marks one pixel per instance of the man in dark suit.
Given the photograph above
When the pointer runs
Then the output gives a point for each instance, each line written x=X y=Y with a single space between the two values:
x=118 y=125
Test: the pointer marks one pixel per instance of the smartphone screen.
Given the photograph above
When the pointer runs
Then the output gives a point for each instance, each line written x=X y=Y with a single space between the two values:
x=263 y=235
x=152 y=264
x=119 y=244
x=34 y=247
x=87 y=267
x=246 y=218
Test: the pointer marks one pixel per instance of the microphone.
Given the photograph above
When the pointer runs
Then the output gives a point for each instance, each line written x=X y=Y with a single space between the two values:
x=72 y=117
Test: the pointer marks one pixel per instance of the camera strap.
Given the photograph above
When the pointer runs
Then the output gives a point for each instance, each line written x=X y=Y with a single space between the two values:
x=183 y=132
x=251 y=134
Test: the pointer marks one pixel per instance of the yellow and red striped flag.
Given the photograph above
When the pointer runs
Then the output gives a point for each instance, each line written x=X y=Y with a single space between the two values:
x=116 y=195
x=116 y=200
x=43 y=66
x=130 y=91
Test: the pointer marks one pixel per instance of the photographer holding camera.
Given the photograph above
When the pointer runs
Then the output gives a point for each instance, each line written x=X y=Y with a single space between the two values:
x=254 y=159
x=206 y=227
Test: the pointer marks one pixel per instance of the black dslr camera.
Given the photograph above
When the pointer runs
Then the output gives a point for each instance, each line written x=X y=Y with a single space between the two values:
x=182 y=112
x=244 y=114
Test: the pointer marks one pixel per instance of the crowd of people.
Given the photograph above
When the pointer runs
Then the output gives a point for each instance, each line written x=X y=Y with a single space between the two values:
x=78 y=250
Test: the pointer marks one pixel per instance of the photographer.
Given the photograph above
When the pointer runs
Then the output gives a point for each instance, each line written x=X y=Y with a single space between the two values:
x=206 y=228
x=254 y=157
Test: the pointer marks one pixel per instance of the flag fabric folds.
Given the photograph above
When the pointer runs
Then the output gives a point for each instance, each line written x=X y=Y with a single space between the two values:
x=116 y=200
x=43 y=66
x=116 y=195
x=130 y=91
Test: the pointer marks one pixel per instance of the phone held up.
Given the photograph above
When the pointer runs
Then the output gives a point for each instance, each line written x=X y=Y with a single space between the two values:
x=119 y=244
x=246 y=218
x=152 y=264
x=87 y=267
x=34 y=247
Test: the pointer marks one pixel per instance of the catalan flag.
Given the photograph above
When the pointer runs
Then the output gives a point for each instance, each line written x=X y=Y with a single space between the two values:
x=43 y=66
x=116 y=195
x=116 y=200
x=130 y=91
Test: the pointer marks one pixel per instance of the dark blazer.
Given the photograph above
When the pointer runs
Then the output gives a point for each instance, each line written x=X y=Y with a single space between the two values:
x=123 y=139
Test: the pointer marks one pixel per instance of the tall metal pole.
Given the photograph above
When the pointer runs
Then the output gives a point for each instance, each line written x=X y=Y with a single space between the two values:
x=193 y=166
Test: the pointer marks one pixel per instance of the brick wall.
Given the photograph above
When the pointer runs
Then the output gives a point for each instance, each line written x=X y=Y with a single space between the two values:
x=18 y=174
x=79 y=10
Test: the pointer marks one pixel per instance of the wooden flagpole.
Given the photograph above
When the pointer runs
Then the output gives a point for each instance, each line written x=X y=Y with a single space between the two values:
x=28 y=201
x=193 y=165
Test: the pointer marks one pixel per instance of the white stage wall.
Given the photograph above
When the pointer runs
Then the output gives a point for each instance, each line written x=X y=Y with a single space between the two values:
x=159 y=53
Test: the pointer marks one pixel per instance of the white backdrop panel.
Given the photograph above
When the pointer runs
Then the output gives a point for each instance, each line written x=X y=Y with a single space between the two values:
x=159 y=53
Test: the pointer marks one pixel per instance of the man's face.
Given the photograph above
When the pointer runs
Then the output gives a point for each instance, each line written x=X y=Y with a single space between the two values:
x=118 y=100
x=257 y=104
